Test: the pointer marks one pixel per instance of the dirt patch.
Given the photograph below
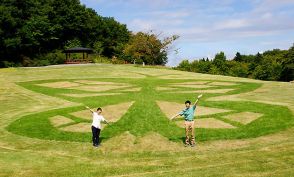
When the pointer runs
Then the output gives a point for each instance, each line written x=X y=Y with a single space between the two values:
x=114 y=112
x=111 y=113
x=206 y=91
x=57 y=121
x=85 y=114
x=207 y=123
x=172 y=108
x=127 y=142
x=191 y=86
x=226 y=97
x=121 y=143
x=80 y=127
x=98 y=88
x=156 y=142
x=90 y=94
x=202 y=111
x=222 y=83
x=92 y=82
x=64 y=84
x=237 y=97
x=275 y=93
x=243 y=117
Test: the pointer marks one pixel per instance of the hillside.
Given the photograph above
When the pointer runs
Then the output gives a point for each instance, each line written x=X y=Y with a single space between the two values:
x=244 y=127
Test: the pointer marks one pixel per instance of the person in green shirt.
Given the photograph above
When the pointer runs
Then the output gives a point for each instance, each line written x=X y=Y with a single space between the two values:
x=188 y=114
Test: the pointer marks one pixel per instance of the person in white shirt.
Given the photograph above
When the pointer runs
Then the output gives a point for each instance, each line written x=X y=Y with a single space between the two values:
x=96 y=125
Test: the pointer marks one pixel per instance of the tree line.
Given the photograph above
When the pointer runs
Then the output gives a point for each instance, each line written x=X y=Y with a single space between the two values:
x=274 y=65
x=35 y=33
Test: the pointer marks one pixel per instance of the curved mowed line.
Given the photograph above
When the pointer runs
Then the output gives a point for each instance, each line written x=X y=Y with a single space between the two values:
x=145 y=116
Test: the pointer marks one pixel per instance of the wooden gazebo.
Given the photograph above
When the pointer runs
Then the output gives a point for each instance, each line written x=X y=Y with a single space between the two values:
x=70 y=60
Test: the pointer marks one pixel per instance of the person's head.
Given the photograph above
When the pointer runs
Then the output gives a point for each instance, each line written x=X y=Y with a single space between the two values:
x=188 y=104
x=99 y=110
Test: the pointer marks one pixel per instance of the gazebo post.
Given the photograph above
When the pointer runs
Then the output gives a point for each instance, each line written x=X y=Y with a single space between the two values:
x=85 y=52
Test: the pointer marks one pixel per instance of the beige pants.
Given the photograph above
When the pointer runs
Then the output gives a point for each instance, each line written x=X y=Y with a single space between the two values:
x=189 y=127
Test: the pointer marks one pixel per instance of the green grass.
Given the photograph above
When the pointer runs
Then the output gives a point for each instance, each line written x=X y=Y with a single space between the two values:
x=30 y=146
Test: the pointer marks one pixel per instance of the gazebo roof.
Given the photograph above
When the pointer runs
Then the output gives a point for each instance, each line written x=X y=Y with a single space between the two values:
x=78 y=50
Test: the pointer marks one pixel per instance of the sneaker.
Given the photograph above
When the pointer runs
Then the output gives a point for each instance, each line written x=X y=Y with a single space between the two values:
x=193 y=145
x=186 y=145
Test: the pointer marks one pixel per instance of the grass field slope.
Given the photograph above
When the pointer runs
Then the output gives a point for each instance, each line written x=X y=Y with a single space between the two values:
x=244 y=127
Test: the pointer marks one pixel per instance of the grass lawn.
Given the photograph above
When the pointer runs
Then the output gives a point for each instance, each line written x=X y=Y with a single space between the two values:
x=142 y=141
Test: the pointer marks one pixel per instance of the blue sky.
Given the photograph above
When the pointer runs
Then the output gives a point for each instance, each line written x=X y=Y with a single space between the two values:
x=207 y=27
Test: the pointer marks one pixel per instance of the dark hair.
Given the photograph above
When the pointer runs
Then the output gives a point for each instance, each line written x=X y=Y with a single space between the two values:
x=99 y=109
x=188 y=102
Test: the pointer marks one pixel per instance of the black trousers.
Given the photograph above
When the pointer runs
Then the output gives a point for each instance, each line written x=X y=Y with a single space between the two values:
x=95 y=135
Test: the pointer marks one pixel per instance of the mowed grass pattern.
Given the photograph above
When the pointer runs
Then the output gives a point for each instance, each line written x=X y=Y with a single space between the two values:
x=145 y=116
x=28 y=150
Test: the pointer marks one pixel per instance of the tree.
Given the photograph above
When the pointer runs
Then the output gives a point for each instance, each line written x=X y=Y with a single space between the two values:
x=214 y=70
x=248 y=58
x=256 y=61
x=268 y=71
x=148 y=48
x=114 y=36
x=219 y=59
x=273 y=64
x=73 y=43
x=288 y=65
x=184 y=65
x=238 y=57
x=237 y=69
x=258 y=58
x=98 y=48
x=219 y=62
x=201 y=66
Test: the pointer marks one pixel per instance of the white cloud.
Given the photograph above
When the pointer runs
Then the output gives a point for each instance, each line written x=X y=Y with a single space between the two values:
x=168 y=14
x=232 y=24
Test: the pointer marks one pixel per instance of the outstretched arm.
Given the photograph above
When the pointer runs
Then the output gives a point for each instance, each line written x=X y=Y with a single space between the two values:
x=106 y=122
x=89 y=109
x=174 y=116
x=199 y=96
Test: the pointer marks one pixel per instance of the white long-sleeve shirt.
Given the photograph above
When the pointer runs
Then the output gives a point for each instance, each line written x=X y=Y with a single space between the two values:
x=97 y=119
